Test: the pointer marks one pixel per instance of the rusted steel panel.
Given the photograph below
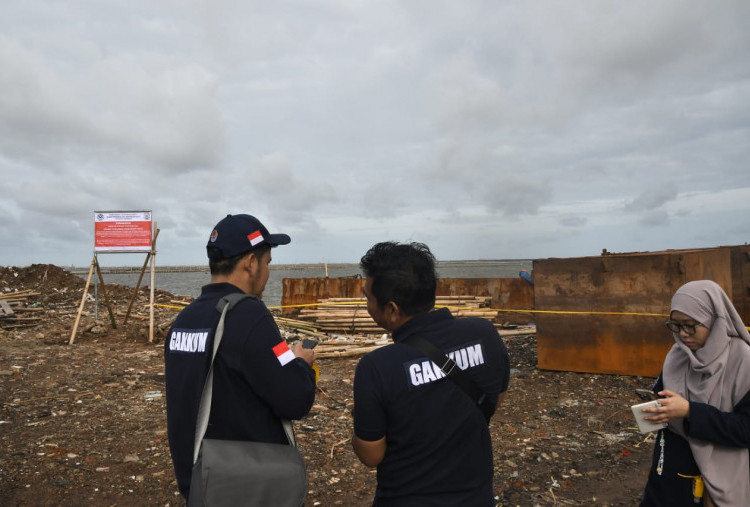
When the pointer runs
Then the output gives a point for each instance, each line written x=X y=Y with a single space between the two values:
x=741 y=281
x=506 y=293
x=623 y=284
x=305 y=291
x=597 y=344
x=609 y=283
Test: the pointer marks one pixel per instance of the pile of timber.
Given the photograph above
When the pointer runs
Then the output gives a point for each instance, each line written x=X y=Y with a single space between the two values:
x=343 y=328
x=349 y=315
x=13 y=310
x=330 y=346
x=358 y=347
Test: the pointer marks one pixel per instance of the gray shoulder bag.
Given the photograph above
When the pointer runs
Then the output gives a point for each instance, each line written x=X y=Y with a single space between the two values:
x=237 y=472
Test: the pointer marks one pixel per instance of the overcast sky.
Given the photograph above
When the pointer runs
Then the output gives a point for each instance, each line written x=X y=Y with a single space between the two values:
x=486 y=129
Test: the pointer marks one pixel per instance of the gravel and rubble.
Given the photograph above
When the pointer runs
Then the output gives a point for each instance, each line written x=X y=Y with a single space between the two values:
x=85 y=424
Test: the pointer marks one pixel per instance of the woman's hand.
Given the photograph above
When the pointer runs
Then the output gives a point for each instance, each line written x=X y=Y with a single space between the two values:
x=673 y=406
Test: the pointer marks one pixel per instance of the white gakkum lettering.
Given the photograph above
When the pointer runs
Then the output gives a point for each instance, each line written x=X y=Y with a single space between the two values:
x=188 y=341
x=426 y=371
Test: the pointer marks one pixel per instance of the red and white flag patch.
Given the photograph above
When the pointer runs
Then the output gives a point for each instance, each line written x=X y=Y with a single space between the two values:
x=283 y=353
x=255 y=237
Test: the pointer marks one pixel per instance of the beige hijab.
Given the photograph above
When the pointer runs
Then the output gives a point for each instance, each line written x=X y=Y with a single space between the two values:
x=717 y=374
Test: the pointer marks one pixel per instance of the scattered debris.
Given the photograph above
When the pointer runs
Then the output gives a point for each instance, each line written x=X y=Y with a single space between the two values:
x=14 y=312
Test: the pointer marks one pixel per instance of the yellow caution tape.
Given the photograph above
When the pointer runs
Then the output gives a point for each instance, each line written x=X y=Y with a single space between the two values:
x=488 y=310
x=561 y=312
x=169 y=306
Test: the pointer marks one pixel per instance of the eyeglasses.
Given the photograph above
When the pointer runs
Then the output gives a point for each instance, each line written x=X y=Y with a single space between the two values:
x=675 y=327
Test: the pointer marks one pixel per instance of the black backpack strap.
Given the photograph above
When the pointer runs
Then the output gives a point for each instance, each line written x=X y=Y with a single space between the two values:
x=451 y=370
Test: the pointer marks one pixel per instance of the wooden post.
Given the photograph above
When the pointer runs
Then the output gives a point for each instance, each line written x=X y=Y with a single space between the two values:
x=153 y=272
x=83 y=301
x=135 y=290
x=104 y=293
x=140 y=277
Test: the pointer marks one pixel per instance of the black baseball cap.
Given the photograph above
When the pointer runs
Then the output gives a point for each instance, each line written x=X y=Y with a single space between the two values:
x=237 y=234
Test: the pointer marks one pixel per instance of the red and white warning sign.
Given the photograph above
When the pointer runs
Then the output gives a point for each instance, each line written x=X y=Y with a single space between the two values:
x=122 y=231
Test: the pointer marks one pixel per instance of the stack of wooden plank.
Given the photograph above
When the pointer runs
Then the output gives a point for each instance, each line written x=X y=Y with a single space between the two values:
x=330 y=345
x=349 y=315
x=358 y=333
x=357 y=347
x=13 y=310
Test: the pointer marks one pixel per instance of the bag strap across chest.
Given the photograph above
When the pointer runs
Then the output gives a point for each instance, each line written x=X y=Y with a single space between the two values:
x=204 y=409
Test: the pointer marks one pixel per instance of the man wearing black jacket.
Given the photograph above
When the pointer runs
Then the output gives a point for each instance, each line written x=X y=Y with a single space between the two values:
x=258 y=379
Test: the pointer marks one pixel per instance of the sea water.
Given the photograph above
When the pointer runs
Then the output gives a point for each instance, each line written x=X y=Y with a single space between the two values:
x=190 y=283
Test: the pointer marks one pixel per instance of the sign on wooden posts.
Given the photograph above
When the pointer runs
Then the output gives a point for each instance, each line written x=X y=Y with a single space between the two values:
x=122 y=232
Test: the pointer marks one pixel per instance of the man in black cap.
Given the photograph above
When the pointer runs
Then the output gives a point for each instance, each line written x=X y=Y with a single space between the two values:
x=258 y=379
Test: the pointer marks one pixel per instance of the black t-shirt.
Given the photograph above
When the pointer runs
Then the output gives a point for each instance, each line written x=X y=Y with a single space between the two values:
x=438 y=449
x=257 y=380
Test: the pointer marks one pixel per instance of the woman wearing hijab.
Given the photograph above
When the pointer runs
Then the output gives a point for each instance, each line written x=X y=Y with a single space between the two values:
x=702 y=455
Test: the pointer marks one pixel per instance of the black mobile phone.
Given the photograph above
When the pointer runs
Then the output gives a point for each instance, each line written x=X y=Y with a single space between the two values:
x=308 y=343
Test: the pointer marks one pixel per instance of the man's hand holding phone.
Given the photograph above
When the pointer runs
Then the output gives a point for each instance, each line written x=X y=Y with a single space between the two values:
x=304 y=350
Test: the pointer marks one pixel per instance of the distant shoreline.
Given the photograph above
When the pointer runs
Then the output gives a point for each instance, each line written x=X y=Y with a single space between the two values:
x=78 y=270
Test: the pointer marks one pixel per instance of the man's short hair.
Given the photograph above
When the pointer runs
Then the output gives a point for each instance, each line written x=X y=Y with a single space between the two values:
x=220 y=266
x=403 y=273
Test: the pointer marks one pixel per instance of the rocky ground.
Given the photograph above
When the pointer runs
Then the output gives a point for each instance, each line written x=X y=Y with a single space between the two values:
x=84 y=424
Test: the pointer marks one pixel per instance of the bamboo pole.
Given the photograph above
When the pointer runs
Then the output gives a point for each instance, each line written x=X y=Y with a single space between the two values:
x=104 y=293
x=138 y=283
x=21 y=294
x=348 y=353
x=83 y=301
x=153 y=275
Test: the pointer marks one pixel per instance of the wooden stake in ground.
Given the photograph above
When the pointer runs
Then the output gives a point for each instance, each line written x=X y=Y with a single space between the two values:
x=94 y=265
x=153 y=275
x=104 y=293
x=83 y=301
x=140 y=278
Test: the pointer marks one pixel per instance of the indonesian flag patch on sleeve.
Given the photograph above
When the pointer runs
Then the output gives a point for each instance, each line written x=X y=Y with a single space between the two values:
x=283 y=353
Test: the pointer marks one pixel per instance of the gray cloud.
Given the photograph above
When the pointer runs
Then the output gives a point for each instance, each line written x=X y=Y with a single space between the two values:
x=482 y=129
x=145 y=108
x=651 y=199
x=572 y=221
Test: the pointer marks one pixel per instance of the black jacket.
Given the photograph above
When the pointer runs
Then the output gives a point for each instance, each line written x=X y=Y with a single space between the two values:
x=252 y=389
